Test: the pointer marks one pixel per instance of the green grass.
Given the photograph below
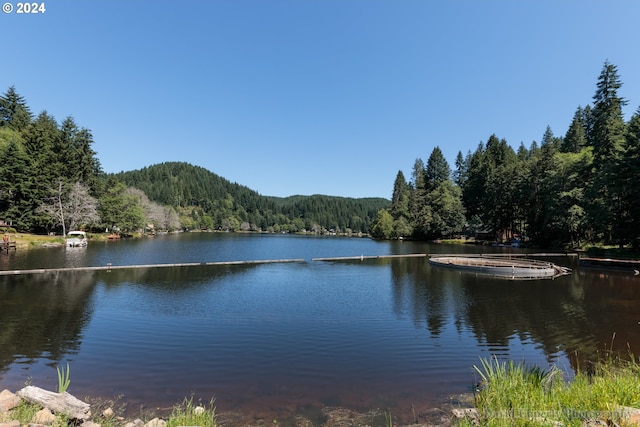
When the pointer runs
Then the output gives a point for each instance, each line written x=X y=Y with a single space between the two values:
x=63 y=378
x=24 y=413
x=184 y=414
x=189 y=414
x=517 y=395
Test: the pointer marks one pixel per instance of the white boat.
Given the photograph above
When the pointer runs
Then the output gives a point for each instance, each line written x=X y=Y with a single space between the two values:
x=501 y=267
x=76 y=239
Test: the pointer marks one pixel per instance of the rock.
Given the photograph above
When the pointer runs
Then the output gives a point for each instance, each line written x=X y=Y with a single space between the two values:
x=631 y=415
x=156 y=422
x=14 y=423
x=135 y=423
x=107 y=413
x=198 y=410
x=43 y=416
x=90 y=424
x=62 y=403
x=468 y=413
x=8 y=401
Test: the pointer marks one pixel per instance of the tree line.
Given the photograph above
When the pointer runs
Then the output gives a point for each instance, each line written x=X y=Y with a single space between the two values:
x=51 y=180
x=582 y=187
x=206 y=200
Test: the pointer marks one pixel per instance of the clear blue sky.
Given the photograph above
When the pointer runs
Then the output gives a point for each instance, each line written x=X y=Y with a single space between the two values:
x=315 y=96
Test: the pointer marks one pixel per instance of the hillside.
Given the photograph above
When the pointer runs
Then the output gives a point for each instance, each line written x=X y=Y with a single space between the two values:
x=214 y=202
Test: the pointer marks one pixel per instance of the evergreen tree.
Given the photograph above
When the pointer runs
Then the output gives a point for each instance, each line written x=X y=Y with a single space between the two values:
x=400 y=197
x=608 y=135
x=436 y=203
x=16 y=186
x=462 y=169
x=417 y=200
x=473 y=191
x=576 y=137
x=14 y=112
x=437 y=169
x=608 y=123
x=548 y=139
x=631 y=174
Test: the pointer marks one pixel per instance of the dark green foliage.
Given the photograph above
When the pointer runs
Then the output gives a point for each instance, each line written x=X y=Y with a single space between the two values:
x=576 y=137
x=437 y=169
x=16 y=186
x=14 y=112
x=584 y=187
x=429 y=208
x=119 y=209
x=606 y=190
x=214 y=202
x=631 y=180
x=34 y=155
x=400 y=197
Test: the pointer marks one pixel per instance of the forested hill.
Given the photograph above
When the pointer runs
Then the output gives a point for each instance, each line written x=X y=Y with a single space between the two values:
x=206 y=200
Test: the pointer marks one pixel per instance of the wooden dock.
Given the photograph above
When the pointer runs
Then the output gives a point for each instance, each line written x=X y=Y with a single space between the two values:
x=363 y=257
x=611 y=263
x=8 y=245
x=110 y=267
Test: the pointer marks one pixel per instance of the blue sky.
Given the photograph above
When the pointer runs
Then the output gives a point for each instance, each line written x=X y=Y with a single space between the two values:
x=315 y=96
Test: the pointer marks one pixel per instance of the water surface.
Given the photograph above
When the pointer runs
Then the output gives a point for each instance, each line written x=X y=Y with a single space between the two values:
x=274 y=340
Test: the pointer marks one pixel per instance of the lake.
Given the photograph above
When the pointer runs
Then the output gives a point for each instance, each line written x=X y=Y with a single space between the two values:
x=280 y=339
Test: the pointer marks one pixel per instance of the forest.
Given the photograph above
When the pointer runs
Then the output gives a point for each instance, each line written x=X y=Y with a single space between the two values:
x=583 y=187
x=51 y=181
x=580 y=188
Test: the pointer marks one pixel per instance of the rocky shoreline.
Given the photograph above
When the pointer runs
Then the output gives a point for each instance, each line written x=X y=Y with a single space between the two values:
x=82 y=414
x=63 y=409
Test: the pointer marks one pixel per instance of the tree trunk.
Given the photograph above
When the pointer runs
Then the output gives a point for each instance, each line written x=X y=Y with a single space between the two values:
x=62 y=403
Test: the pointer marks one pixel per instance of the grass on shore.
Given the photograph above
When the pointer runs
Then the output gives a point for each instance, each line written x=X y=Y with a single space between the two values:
x=517 y=395
x=186 y=413
x=27 y=240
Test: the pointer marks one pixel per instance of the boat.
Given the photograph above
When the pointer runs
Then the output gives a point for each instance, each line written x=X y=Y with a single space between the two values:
x=76 y=239
x=509 y=268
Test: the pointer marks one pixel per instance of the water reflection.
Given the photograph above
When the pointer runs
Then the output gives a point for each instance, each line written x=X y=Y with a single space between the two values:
x=387 y=332
x=43 y=315
x=571 y=315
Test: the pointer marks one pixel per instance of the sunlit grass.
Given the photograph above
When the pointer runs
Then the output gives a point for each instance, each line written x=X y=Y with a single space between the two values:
x=513 y=394
x=186 y=413
x=24 y=413
x=189 y=414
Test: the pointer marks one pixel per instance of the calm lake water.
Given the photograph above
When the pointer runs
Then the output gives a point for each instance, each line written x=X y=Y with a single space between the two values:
x=275 y=340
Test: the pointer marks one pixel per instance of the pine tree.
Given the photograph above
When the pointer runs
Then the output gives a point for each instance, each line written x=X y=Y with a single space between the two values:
x=608 y=123
x=462 y=169
x=608 y=137
x=16 y=186
x=14 y=112
x=400 y=197
x=437 y=169
x=576 y=137
x=631 y=174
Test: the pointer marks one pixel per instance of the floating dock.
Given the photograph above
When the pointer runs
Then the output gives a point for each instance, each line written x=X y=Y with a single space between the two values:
x=110 y=267
x=363 y=257
x=510 y=268
x=611 y=263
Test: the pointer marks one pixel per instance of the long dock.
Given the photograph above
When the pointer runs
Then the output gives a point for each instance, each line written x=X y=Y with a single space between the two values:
x=363 y=257
x=110 y=267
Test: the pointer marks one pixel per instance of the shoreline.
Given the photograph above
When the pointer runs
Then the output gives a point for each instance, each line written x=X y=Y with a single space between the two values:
x=95 y=412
